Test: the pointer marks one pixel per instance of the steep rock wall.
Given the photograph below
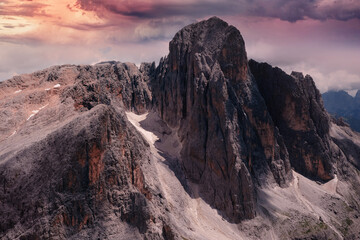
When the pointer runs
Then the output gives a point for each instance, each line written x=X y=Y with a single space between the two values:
x=230 y=144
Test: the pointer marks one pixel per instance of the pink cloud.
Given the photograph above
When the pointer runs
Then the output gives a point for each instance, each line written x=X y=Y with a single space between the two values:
x=289 y=10
x=18 y=8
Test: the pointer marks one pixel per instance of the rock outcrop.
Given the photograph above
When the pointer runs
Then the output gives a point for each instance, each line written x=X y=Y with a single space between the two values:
x=296 y=107
x=76 y=176
x=230 y=144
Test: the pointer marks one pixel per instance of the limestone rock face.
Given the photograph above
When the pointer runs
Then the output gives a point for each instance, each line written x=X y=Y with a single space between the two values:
x=75 y=176
x=296 y=108
x=100 y=83
x=205 y=89
x=72 y=166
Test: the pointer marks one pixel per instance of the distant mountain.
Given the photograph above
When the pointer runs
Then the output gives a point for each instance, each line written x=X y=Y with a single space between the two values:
x=341 y=104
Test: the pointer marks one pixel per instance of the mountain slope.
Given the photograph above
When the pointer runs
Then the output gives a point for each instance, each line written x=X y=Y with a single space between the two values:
x=204 y=146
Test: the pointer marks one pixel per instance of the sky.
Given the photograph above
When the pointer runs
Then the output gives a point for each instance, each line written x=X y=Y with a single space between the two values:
x=316 y=37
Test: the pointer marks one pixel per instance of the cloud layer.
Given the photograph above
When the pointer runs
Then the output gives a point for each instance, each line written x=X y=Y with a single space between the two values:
x=289 y=10
x=320 y=37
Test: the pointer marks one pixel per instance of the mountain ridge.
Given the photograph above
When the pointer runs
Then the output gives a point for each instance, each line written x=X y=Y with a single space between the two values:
x=341 y=104
x=206 y=138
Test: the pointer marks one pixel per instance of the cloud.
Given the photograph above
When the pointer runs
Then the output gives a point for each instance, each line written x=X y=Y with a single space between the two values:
x=288 y=10
x=155 y=9
x=294 y=10
x=28 y=9
x=160 y=29
x=333 y=80
x=14 y=25
x=325 y=78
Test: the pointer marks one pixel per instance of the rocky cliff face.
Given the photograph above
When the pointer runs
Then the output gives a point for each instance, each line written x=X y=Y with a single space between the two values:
x=179 y=151
x=74 y=177
x=70 y=159
x=296 y=108
x=205 y=89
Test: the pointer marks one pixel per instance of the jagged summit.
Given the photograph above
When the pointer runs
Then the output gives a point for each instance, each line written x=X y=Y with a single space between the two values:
x=297 y=75
x=185 y=150
x=210 y=40
x=207 y=36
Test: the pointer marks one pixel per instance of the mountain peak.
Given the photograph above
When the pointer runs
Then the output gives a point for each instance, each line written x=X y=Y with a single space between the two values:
x=213 y=99
x=214 y=20
x=210 y=42
x=206 y=36
x=357 y=96
x=297 y=75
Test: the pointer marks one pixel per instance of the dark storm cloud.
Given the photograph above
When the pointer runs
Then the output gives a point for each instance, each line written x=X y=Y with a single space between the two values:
x=294 y=10
x=289 y=10
x=156 y=9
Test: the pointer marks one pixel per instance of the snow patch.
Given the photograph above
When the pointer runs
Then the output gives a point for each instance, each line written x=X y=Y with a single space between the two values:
x=135 y=120
x=55 y=86
x=34 y=112
x=43 y=107
x=31 y=115
x=17 y=91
